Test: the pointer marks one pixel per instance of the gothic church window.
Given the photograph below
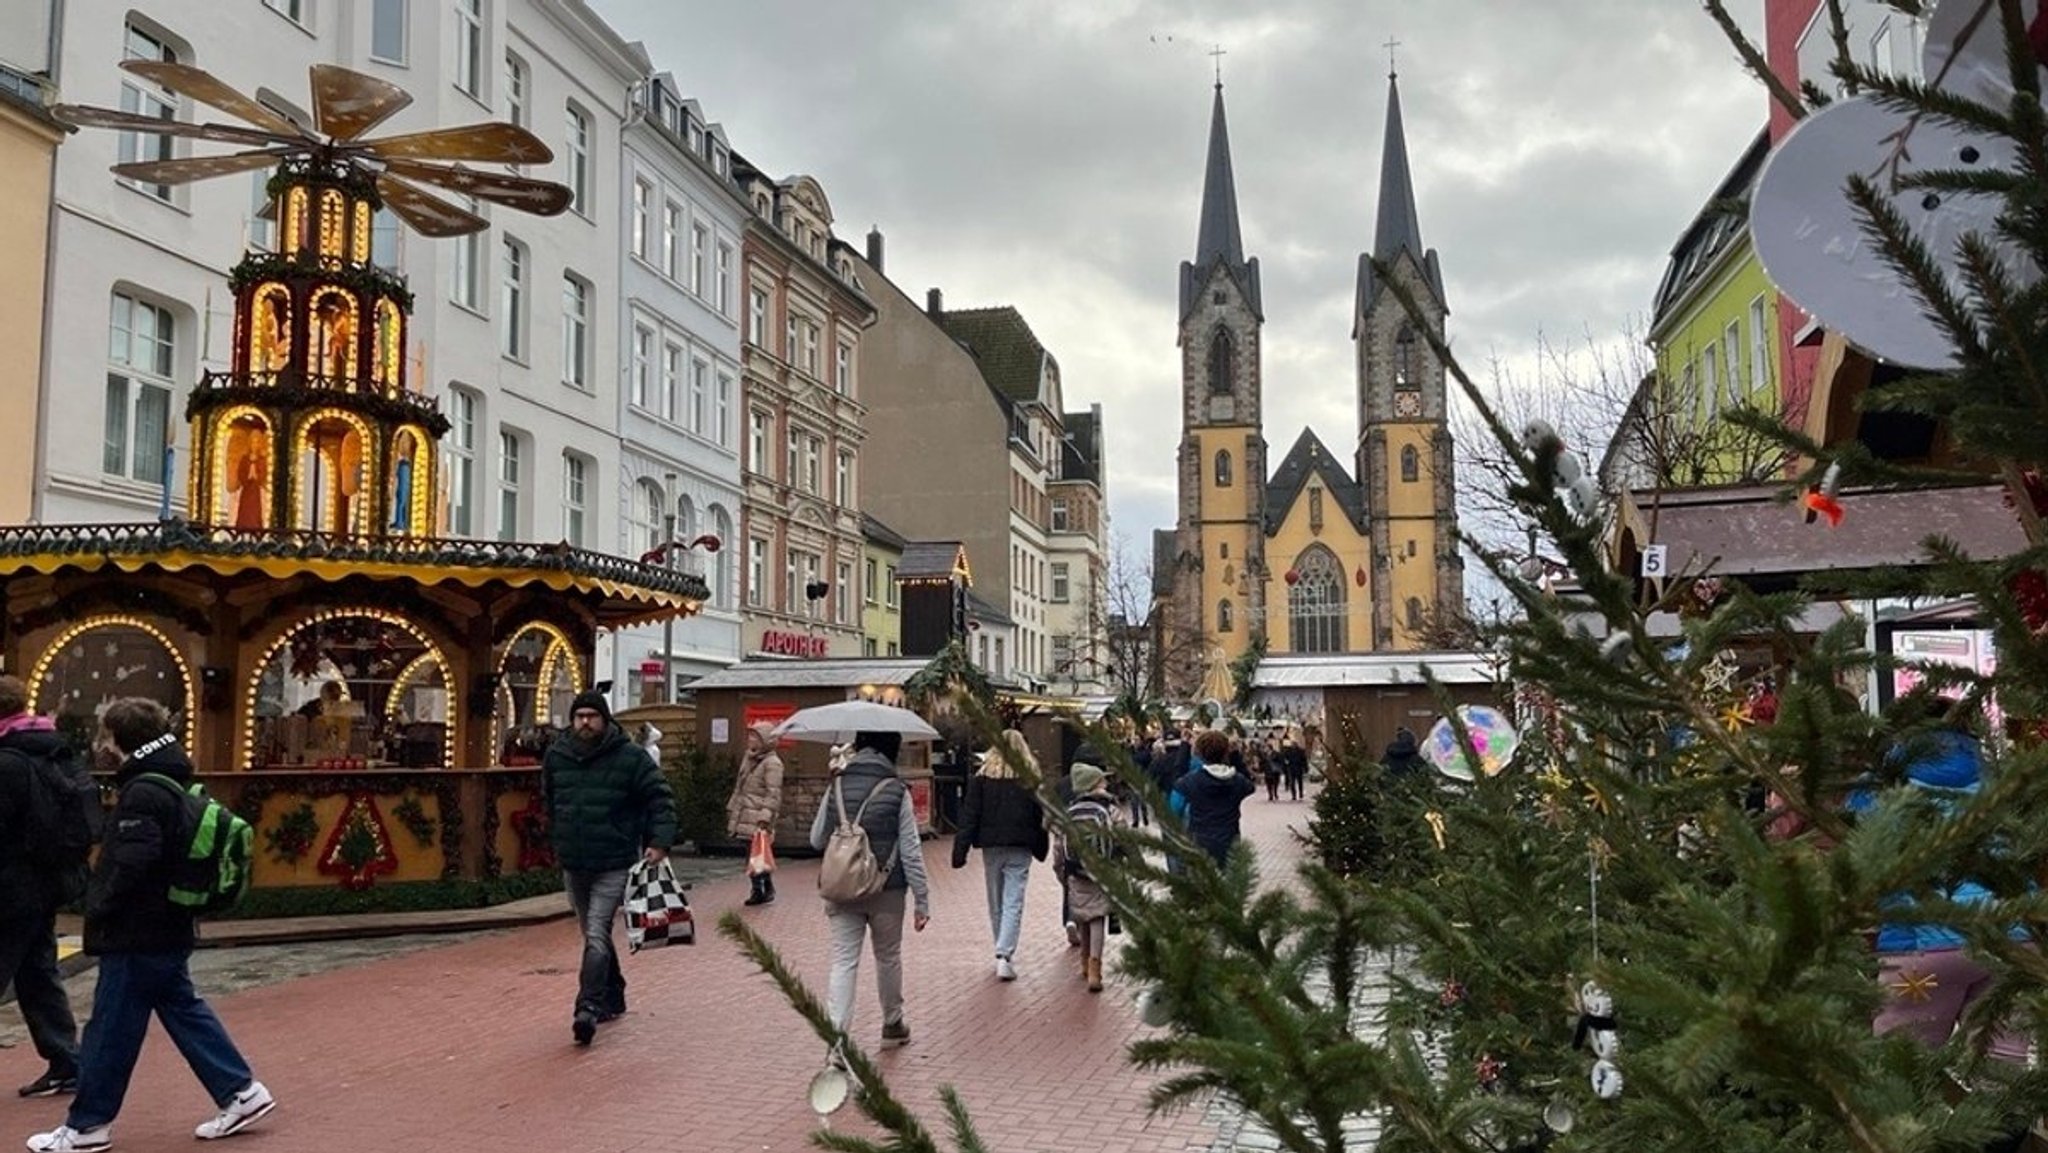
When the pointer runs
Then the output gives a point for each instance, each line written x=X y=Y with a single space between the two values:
x=1223 y=616
x=1315 y=509
x=1223 y=468
x=1411 y=464
x=1219 y=363
x=1414 y=614
x=1404 y=357
x=1316 y=612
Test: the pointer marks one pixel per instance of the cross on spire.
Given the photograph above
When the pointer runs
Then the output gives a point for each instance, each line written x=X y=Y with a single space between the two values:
x=1218 y=53
x=1390 y=45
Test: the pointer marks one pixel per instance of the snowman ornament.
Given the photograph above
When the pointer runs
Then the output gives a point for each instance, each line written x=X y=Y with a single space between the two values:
x=1810 y=238
x=1596 y=1029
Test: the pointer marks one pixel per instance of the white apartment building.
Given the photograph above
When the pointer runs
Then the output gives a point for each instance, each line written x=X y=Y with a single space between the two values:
x=680 y=410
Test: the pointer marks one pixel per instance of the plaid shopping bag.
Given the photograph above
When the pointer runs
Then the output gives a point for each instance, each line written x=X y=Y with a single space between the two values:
x=657 y=913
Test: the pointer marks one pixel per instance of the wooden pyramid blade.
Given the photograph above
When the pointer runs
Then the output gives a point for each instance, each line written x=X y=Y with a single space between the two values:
x=540 y=197
x=204 y=87
x=495 y=143
x=86 y=116
x=347 y=103
x=428 y=214
x=191 y=168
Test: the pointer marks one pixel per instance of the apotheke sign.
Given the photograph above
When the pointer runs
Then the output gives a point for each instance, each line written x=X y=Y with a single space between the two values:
x=792 y=644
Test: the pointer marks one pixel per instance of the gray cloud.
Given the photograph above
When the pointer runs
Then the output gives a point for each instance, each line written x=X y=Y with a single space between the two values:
x=1049 y=155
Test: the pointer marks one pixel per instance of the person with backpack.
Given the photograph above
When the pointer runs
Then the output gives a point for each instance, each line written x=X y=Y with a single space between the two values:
x=140 y=927
x=1215 y=793
x=38 y=872
x=1003 y=820
x=1093 y=814
x=608 y=806
x=867 y=829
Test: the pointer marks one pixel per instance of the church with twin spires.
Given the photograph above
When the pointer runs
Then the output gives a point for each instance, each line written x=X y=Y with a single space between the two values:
x=1321 y=553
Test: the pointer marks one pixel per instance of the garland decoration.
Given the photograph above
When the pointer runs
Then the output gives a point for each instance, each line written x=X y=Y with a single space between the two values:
x=413 y=816
x=294 y=835
x=360 y=846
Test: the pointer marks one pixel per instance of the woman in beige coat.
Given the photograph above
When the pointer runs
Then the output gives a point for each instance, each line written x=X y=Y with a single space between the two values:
x=756 y=799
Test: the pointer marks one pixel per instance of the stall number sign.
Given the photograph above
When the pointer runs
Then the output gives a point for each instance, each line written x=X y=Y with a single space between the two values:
x=1653 y=561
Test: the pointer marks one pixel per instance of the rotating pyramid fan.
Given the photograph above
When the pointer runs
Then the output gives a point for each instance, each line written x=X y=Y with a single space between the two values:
x=346 y=104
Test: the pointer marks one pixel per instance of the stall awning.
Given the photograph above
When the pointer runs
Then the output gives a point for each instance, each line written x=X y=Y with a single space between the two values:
x=1329 y=671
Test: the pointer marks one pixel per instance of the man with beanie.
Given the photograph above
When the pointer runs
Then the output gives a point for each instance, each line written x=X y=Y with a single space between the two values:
x=608 y=807
x=30 y=894
x=144 y=944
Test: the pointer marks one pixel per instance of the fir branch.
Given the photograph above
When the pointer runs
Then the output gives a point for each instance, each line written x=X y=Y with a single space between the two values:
x=1753 y=60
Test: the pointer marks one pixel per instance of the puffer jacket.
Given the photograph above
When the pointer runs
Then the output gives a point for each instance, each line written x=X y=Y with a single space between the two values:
x=606 y=802
x=756 y=796
x=1000 y=813
x=1213 y=803
x=128 y=905
x=25 y=885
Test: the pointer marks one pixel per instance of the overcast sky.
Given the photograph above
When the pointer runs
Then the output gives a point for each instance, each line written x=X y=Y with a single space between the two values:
x=1048 y=154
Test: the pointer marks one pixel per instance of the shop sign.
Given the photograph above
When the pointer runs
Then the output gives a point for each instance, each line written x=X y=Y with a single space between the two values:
x=792 y=644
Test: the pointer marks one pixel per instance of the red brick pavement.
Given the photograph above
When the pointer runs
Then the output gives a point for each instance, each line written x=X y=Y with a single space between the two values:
x=466 y=1048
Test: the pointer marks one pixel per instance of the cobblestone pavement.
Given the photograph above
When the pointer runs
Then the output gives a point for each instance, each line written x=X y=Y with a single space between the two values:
x=463 y=1045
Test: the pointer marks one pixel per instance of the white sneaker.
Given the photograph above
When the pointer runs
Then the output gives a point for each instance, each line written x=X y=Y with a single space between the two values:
x=65 y=1139
x=1004 y=970
x=247 y=1107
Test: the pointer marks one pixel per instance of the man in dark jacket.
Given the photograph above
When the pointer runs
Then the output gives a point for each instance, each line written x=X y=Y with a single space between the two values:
x=144 y=944
x=891 y=826
x=1214 y=792
x=608 y=807
x=1404 y=757
x=29 y=896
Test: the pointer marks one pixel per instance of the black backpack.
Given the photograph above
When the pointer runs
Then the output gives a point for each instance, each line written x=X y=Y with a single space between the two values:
x=64 y=821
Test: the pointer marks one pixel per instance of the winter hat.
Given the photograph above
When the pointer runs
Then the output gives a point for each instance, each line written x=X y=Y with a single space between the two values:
x=1086 y=777
x=593 y=700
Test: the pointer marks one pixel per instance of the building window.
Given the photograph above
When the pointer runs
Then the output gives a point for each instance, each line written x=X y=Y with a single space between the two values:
x=789 y=455
x=671 y=379
x=512 y=299
x=468 y=268
x=1061 y=582
x=1223 y=621
x=262 y=218
x=1759 y=346
x=724 y=280
x=646 y=516
x=1063 y=656
x=700 y=397
x=1404 y=357
x=1315 y=603
x=575 y=480
x=142 y=353
x=889 y=591
x=873 y=588
x=1315 y=508
x=385 y=237
x=1219 y=363
x=867 y=647
x=643 y=365
x=812 y=450
x=789 y=338
x=292 y=10
x=508 y=485
x=721 y=561
x=461 y=461
x=387 y=31
x=575 y=332
x=757 y=569
x=671 y=235
x=810 y=337
x=700 y=241
x=515 y=91
x=1731 y=355
x=1414 y=614
x=1710 y=377
x=1060 y=518
x=842 y=481
x=469 y=46
x=1223 y=468
x=643 y=192
x=757 y=441
x=842 y=593
x=142 y=98
x=723 y=414
x=576 y=174
x=757 y=318
x=1411 y=464
x=842 y=370
x=787 y=602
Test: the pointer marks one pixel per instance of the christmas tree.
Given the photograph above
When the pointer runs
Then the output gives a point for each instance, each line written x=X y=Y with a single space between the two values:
x=1708 y=904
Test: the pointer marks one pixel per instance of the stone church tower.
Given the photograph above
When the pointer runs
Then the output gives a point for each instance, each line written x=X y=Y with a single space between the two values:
x=1404 y=455
x=1219 y=539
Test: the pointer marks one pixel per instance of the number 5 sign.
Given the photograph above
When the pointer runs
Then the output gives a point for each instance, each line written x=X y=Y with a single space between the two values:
x=1653 y=561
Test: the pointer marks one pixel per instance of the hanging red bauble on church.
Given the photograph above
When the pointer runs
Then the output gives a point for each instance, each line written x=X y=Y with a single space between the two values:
x=1359 y=576
x=1293 y=576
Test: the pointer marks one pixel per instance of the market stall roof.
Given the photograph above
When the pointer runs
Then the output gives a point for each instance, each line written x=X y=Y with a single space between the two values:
x=1294 y=671
x=615 y=590
x=1753 y=533
x=825 y=673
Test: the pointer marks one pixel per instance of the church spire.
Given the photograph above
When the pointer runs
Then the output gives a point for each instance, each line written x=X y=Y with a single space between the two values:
x=1219 y=240
x=1398 y=227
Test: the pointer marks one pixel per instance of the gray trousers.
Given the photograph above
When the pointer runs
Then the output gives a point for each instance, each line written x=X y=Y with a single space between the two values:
x=879 y=917
x=596 y=897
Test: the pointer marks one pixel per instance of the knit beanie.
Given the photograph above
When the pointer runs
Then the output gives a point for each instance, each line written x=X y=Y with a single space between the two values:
x=1086 y=777
x=594 y=700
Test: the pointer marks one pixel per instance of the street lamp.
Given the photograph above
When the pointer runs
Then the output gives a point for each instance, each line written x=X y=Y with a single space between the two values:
x=664 y=554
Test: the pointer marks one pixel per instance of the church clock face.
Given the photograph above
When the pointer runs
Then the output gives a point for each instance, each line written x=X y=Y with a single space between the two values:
x=1407 y=402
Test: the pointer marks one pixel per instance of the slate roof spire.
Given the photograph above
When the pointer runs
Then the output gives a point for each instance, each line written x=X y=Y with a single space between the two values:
x=1219 y=239
x=1398 y=227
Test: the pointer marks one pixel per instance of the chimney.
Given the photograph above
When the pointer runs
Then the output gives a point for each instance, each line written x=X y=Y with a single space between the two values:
x=875 y=250
x=934 y=303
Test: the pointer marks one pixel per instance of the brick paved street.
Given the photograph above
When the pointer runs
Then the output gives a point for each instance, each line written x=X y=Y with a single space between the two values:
x=466 y=1048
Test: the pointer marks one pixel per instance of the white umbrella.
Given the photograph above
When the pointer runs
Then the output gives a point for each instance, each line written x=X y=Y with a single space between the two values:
x=832 y=723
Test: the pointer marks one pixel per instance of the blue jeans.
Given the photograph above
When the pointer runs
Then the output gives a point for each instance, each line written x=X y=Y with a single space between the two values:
x=596 y=897
x=131 y=987
x=1007 y=869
